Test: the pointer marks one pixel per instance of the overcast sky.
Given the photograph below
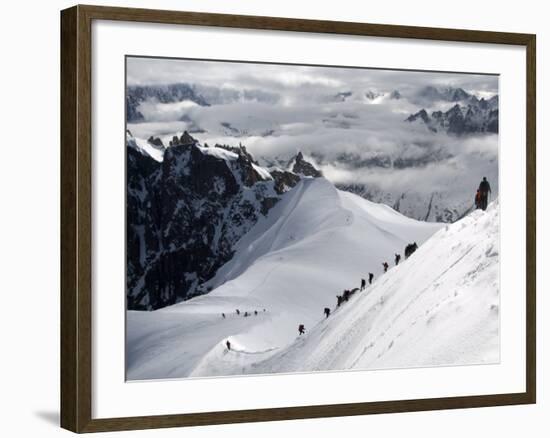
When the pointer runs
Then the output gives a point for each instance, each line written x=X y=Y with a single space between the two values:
x=290 y=81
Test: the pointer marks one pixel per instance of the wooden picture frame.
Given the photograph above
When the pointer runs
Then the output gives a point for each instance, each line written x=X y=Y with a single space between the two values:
x=76 y=217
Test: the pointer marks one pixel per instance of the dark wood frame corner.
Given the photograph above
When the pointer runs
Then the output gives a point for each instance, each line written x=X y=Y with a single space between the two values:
x=76 y=222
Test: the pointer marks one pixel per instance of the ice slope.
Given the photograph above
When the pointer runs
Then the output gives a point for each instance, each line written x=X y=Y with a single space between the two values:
x=145 y=148
x=316 y=242
x=440 y=307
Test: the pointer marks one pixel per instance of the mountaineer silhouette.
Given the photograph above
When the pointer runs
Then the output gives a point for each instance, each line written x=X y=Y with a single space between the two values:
x=397 y=259
x=484 y=190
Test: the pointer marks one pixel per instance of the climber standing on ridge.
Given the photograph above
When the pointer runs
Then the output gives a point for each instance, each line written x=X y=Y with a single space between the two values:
x=363 y=284
x=228 y=345
x=484 y=190
x=301 y=329
x=327 y=312
x=397 y=259
x=371 y=276
x=386 y=266
x=477 y=199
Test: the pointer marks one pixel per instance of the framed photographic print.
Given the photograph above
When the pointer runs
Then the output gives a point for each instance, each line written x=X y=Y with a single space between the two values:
x=268 y=218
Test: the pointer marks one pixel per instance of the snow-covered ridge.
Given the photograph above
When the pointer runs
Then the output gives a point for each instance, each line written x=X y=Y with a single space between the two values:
x=440 y=307
x=314 y=243
x=144 y=147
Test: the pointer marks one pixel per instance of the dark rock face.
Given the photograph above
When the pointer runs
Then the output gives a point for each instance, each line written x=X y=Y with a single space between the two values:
x=477 y=116
x=303 y=167
x=185 y=140
x=185 y=214
x=422 y=115
x=239 y=150
x=284 y=180
x=155 y=141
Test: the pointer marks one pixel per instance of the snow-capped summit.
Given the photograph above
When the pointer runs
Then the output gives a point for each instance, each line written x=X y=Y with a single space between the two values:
x=447 y=94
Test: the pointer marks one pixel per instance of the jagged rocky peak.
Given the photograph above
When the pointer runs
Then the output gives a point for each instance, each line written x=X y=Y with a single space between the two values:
x=448 y=94
x=185 y=140
x=455 y=94
x=284 y=180
x=477 y=116
x=422 y=114
x=303 y=167
x=239 y=150
x=155 y=141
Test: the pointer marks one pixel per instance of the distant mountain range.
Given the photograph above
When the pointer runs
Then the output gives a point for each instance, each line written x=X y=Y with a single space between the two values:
x=461 y=114
x=473 y=116
x=136 y=95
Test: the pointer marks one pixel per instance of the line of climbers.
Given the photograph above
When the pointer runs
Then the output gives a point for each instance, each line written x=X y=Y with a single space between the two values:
x=245 y=314
x=348 y=293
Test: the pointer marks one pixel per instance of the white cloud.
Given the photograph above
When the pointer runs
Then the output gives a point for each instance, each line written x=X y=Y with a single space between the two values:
x=276 y=110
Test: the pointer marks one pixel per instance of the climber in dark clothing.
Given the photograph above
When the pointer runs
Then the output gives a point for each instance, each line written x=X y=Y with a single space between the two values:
x=410 y=248
x=386 y=266
x=228 y=345
x=339 y=300
x=223 y=315
x=327 y=312
x=301 y=329
x=363 y=284
x=484 y=190
x=477 y=199
x=238 y=312
x=397 y=259
x=371 y=276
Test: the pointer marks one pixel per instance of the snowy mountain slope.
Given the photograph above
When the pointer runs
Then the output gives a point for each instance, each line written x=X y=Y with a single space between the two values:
x=440 y=307
x=314 y=243
x=185 y=210
x=187 y=206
